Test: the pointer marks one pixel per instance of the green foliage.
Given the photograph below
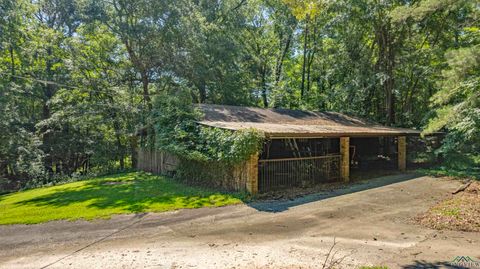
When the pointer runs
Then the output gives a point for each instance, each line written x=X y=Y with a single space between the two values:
x=214 y=174
x=174 y=119
x=458 y=165
x=448 y=171
x=457 y=105
x=423 y=9
x=207 y=155
x=303 y=9
x=229 y=146
x=77 y=78
x=178 y=132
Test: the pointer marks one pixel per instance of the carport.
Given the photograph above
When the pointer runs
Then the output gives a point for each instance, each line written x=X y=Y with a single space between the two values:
x=304 y=148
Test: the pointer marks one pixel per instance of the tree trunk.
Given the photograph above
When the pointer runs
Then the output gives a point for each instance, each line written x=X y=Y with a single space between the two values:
x=308 y=77
x=48 y=93
x=202 y=90
x=390 y=83
x=133 y=150
x=311 y=55
x=304 y=65
x=264 y=87
x=309 y=69
x=121 y=156
x=281 y=58
x=146 y=93
x=12 y=60
x=149 y=134
x=122 y=162
x=386 y=65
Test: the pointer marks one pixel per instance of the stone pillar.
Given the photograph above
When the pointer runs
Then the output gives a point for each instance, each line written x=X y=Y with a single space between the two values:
x=402 y=153
x=345 y=158
x=252 y=174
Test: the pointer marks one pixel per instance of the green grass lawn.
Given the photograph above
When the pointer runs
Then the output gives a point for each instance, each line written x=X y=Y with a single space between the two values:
x=104 y=196
x=442 y=171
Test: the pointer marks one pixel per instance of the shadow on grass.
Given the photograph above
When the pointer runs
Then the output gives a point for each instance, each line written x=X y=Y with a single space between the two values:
x=442 y=171
x=140 y=192
x=135 y=192
x=283 y=205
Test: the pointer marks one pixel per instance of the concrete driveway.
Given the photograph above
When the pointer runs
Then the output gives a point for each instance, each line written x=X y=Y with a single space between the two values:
x=371 y=224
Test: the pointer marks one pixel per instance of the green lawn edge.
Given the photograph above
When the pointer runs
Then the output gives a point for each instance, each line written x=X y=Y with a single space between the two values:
x=105 y=196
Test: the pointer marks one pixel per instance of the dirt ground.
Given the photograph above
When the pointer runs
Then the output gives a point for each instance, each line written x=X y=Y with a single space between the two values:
x=372 y=223
x=460 y=212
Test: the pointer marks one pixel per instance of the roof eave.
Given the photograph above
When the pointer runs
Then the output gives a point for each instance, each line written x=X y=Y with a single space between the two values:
x=334 y=135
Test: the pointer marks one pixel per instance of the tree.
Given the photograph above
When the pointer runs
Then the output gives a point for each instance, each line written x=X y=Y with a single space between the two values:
x=457 y=104
x=308 y=13
x=78 y=78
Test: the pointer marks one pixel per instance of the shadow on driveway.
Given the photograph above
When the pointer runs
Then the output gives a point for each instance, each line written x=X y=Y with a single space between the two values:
x=283 y=205
x=433 y=265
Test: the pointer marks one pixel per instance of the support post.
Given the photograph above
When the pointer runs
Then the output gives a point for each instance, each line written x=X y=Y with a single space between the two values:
x=402 y=153
x=252 y=174
x=345 y=158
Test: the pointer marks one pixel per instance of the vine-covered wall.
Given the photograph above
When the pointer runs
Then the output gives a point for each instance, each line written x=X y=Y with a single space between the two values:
x=208 y=156
x=214 y=174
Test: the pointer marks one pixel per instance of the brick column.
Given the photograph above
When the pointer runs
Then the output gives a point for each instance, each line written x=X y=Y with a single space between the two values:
x=252 y=174
x=345 y=158
x=402 y=153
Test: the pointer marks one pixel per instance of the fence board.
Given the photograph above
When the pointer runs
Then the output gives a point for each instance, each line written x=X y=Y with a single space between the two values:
x=156 y=162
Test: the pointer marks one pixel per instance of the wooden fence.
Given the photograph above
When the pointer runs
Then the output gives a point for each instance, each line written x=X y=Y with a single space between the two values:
x=156 y=162
x=240 y=177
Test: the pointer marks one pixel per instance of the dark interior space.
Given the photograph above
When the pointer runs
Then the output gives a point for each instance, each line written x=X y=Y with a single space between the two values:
x=299 y=148
x=421 y=151
x=373 y=156
x=286 y=163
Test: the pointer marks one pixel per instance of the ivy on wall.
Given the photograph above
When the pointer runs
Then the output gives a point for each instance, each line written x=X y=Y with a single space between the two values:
x=229 y=146
x=178 y=132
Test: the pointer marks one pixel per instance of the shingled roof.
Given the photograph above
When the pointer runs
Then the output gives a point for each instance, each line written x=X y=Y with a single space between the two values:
x=286 y=123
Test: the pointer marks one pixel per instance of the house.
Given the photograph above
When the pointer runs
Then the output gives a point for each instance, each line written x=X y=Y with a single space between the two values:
x=303 y=148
